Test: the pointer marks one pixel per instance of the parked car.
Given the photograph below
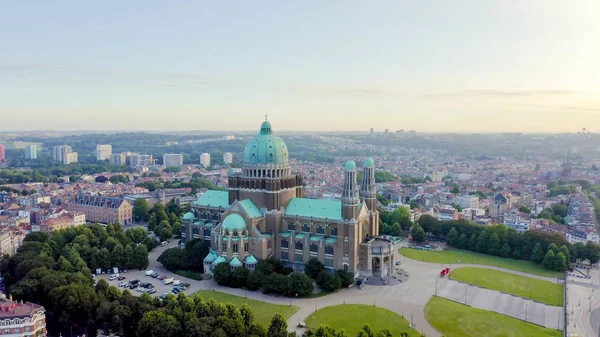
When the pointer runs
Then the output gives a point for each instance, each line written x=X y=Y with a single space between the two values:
x=121 y=278
x=136 y=281
x=133 y=286
x=151 y=291
x=150 y=286
x=163 y=296
x=176 y=282
x=164 y=243
x=162 y=277
x=141 y=289
x=175 y=291
x=185 y=284
x=149 y=272
x=113 y=277
x=122 y=284
x=168 y=280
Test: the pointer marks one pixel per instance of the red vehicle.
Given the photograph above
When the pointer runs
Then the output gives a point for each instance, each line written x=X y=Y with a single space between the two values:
x=445 y=272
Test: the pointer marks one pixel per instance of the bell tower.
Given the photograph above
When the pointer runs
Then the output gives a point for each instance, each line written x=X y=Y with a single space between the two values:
x=350 y=194
x=368 y=189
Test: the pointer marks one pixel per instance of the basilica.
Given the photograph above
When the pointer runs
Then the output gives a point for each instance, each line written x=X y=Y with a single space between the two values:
x=263 y=214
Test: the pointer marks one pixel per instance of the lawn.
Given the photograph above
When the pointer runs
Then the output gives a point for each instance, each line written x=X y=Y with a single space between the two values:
x=526 y=287
x=466 y=257
x=263 y=311
x=352 y=317
x=456 y=320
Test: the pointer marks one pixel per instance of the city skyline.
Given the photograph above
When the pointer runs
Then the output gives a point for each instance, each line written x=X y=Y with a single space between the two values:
x=460 y=67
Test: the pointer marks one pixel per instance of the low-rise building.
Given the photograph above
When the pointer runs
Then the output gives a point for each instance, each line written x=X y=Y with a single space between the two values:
x=24 y=319
x=102 y=209
x=577 y=236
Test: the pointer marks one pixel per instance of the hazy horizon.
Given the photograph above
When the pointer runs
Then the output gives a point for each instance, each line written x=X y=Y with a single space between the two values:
x=447 y=67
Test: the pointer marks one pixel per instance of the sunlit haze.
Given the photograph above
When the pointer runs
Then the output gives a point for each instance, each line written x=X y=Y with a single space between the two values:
x=431 y=66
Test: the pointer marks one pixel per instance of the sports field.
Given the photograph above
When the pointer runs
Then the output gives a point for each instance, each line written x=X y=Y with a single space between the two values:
x=352 y=317
x=456 y=320
x=263 y=311
x=456 y=256
x=526 y=287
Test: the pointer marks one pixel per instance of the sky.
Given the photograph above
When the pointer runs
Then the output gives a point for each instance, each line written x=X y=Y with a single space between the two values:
x=430 y=66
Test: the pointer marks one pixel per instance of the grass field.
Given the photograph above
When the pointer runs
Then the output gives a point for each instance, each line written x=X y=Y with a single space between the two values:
x=263 y=312
x=467 y=257
x=352 y=317
x=526 y=287
x=456 y=320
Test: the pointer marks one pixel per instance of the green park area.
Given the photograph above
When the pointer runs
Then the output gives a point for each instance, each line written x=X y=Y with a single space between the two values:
x=263 y=311
x=352 y=317
x=456 y=320
x=526 y=287
x=456 y=256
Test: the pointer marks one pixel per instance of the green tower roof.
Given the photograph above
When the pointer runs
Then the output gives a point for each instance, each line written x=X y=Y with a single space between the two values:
x=369 y=162
x=234 y=222
x=251 y=259
x=235 y=262
x=266 y=148
x=350 y=165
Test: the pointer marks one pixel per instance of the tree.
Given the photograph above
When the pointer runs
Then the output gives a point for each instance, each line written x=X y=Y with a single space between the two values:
x=222 y=274
x=472 y=242
x=553 y=247
x=239 y=277
x=482 y=243
x=592 y=252
x=560 y=262
x=329 y=282
x=427 y=222
x=118 y=257
x=140 y=256
x=37 y=237
x=463 y=241
x=158 y=324
x=453 y=237
x=548 y=261
x=313 y=267
x=300 y=285
x=525 y=209
x=418 y=234
x=505 y=250
x=176 y=229
x=494 y=244
x=255 y=280
x=346 y=278
x=565 y=250
x=278 y=327
x=141 y=209
x=537 y=255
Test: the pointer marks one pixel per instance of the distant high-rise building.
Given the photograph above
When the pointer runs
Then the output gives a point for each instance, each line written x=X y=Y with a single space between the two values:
x=205 y=159
x=137 y=159
x=412 y=133
x=172 y=159
x=70 y=157
x=60 y=154
x=31 y=152
x=400 y=133
x=387 y=132
x=227 y=157
x=2 y=154
x=118 y=158
x=103 y=152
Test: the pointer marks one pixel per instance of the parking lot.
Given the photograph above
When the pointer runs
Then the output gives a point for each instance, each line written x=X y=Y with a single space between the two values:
x=159 y=286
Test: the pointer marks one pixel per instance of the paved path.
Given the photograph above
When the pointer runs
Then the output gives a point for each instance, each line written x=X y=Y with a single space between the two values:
x=506 y=304
x=583 y=306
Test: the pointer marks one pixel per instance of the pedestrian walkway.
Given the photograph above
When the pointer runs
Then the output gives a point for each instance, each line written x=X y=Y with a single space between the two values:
x=502 y=303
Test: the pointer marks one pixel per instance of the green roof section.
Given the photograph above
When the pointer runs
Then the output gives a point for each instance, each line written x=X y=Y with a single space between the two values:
x=233 y=222
x=350 y=165
x=300 y=236
x=235 y=262
x=267 y=235
x=266 y=148
x=212 y=255
x=220 y=259
x=316 y=238
x=213 y=198
x=189 y=216
x=369 y=162
x=317 y=208
x=235 y=239
x=331 y=239
x=285 y=234
x=251 y=208
x=251 y=260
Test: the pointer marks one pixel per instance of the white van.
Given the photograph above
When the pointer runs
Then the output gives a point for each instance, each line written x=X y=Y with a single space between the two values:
x=113 y=277
x=176 y=282
x=149 y=272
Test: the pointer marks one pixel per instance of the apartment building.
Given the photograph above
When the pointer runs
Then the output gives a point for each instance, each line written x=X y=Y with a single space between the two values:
x=102 y=209
x=103 y=152
x=24 y=319
x=205 y=159
x=31 y=152
x=118 y=159
x=172 y=159
x=227 y=157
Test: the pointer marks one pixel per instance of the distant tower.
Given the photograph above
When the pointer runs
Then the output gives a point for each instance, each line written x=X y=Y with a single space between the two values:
x=368 y=189
x=350 y=194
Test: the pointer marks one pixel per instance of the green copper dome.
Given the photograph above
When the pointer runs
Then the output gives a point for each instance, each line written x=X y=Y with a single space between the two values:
x=266 y=148
x=189 y=216
x=234 y=222
x=369 y=162
x=350 y=165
